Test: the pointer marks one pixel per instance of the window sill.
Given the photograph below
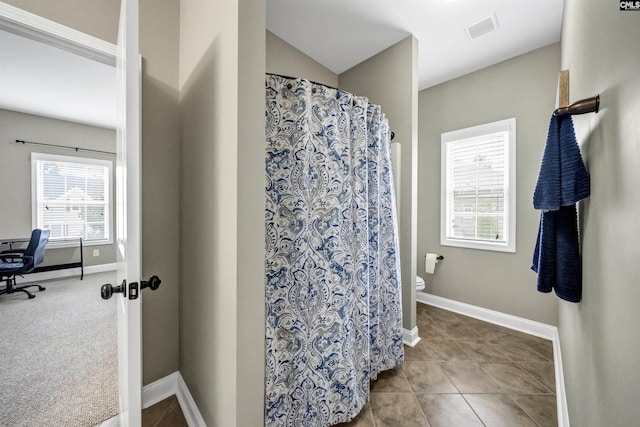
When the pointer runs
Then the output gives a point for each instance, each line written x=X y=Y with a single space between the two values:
x=485 y=246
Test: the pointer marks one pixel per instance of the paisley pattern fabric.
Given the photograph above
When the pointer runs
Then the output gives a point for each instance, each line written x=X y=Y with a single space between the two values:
x=333 y=291
x=385 y=310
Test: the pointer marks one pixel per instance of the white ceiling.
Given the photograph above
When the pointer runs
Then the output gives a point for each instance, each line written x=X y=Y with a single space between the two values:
x=342 y=33
x=40 y=79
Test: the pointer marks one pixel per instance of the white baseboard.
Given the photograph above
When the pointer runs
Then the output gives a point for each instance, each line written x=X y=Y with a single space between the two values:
x=561 y=394
x=527 y=326
x=410 y=337
x=100 y=268
x=67 y=272
x=165 y=387
x=159 y=390
x=188 y=405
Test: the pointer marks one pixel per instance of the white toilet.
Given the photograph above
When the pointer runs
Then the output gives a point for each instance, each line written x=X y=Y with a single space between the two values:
x=419 y=283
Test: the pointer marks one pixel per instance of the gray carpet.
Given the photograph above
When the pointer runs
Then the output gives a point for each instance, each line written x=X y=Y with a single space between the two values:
x=58 y=355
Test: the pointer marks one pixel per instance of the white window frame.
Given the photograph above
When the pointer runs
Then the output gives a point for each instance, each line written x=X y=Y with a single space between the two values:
x=36 y=190
x=509 y=245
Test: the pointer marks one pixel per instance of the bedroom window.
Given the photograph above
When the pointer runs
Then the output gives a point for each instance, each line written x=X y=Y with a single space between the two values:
x=478 y=187
x=72 y=196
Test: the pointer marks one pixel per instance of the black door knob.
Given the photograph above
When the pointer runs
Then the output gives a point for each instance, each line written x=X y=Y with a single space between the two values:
x=153 y=283
x=107 y=290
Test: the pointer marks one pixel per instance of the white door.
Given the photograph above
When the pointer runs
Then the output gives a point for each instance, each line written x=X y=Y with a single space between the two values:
x=128 y=170
x=128 y=233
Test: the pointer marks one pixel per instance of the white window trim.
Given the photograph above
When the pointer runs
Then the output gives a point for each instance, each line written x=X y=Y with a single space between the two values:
x=72 y=242
x=510 y=195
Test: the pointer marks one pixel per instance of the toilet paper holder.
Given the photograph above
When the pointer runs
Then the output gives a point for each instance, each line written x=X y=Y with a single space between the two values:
x=430 y=261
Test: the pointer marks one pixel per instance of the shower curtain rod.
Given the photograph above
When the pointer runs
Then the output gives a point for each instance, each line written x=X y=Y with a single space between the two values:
x=20 y=141
x=393 y=135
x=295 y=78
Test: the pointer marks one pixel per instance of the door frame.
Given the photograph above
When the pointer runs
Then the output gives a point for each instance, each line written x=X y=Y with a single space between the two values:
x=26 y=24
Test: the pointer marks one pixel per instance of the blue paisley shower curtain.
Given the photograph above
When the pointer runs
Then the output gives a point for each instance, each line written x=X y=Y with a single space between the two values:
x=333 y=291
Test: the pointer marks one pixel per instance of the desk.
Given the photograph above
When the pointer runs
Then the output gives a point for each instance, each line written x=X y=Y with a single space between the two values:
x=12 y=242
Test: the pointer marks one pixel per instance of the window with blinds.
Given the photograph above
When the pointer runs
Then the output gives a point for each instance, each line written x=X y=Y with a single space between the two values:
x=72 y=197
x=478 y=187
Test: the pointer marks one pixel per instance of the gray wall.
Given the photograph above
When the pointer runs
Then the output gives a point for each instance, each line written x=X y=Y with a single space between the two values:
x=599 y=337
x=159 y=20
x=15 y=174
x=222 y=65
x=524 y=88
x=390 y=79
x=282 y=58
x=159 y=36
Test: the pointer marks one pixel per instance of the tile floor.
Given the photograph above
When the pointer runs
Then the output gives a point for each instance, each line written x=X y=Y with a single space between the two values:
x=166 y=413
x=464 y=373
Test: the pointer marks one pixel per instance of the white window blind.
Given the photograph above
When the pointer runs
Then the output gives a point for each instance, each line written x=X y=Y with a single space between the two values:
x=478 y=203
x=72 y=197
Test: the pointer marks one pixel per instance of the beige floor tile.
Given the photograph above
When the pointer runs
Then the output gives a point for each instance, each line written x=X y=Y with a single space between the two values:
x=363 y=419
x=173 y=418
x=469 y=377
x=499 y=410
x=513 y=379
x=519 y=351
x=462 y=331
x=428 y=377
x=448 y=410
x=152 y=415
x=435 y=350
x=482 y=351
x=542 y=371
x=542 y=408
x=397 y=410
x=391 y=381
x=429 y=330
x=542 y=346
x=489 y=331
x=444 y=318
x=435 y=312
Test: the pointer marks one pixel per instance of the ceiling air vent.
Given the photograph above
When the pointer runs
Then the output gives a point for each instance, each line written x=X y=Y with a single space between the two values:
x=482 y=27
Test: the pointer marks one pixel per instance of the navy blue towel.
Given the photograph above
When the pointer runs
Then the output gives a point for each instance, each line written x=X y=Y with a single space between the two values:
x=562 y=182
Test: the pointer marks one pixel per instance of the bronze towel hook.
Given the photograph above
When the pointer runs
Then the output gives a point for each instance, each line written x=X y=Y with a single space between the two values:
x=587 y=105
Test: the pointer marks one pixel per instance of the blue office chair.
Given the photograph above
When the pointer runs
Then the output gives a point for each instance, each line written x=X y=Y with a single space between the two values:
x=16 y=263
